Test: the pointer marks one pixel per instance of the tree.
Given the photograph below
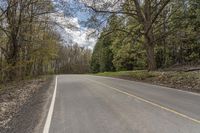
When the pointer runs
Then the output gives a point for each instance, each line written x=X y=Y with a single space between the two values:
x=24 y=31
x=145 y=13
x=175 y=36
x=73 y=59
x=102 y=56
x=181 y=45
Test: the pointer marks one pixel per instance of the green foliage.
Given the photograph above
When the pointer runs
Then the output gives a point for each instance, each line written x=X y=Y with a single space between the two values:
x=30 y=47
x=176 y=39
x=182 y=45
x=138 y=74
x=102 y=56
x=129 y=57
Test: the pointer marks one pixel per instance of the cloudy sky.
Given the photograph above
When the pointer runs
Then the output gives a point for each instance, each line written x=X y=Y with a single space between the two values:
x=71 y=29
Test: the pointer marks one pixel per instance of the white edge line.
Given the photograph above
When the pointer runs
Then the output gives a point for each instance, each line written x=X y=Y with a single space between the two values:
x=49 y=116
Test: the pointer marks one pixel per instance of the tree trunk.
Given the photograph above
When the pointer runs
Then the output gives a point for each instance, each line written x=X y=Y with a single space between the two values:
x=12 y=57
x=149 y=36
x=150 y=53
x=1 y=66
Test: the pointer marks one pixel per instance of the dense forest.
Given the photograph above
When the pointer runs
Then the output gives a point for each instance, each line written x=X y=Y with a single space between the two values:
x=148 y=35
x=138 y=34
x=30 y=45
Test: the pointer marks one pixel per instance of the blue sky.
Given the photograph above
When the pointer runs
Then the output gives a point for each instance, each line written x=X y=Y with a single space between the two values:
x=71 y=15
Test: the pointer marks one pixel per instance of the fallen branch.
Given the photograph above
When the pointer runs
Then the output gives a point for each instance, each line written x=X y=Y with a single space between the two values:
x=192 y=69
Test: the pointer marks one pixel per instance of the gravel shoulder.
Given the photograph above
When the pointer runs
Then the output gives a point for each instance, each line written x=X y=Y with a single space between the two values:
x=24 y=105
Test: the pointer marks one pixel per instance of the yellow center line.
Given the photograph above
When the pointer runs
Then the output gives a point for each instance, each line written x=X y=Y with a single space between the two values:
x=149 y=102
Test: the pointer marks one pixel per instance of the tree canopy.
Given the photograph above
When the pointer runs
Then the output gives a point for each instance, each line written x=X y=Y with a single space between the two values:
x=151 y=34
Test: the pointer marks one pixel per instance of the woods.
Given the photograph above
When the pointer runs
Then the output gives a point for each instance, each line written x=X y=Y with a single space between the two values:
x=136 y=34
x=73 y=60
x=54 y=52
x=25 y=34
x=29 y=43
x=148 y=34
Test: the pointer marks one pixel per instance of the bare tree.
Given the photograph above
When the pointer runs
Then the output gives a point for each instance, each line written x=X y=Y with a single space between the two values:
x=19 y=20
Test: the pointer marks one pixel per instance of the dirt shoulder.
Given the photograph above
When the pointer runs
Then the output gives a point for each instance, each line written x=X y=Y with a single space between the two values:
x=22 y=104
x=188 y=81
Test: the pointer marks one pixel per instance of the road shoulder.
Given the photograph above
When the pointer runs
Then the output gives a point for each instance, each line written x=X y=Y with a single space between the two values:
x=30 y=115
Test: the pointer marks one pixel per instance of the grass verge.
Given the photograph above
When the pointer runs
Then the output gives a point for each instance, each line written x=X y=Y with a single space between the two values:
x=189 y=81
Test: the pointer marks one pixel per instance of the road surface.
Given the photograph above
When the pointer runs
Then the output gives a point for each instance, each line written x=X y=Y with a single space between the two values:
x=91 y=104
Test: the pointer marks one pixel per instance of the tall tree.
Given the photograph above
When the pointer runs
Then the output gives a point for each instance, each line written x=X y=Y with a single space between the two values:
x=102 y=56
x=145 y=13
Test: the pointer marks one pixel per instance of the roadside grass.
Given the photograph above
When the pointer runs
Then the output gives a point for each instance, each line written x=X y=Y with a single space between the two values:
x=137 y=74
x=175 y=79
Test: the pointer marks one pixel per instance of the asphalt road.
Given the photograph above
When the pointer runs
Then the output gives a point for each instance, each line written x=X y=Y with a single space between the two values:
x=91 y=104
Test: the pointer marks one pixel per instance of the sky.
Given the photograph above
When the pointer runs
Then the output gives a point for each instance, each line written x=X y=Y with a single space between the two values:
x=71 y=29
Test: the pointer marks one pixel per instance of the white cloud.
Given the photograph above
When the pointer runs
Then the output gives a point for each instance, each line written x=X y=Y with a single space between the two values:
x=73 y=31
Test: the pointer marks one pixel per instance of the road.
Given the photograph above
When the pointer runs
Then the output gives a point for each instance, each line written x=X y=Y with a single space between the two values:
x=92 y=104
